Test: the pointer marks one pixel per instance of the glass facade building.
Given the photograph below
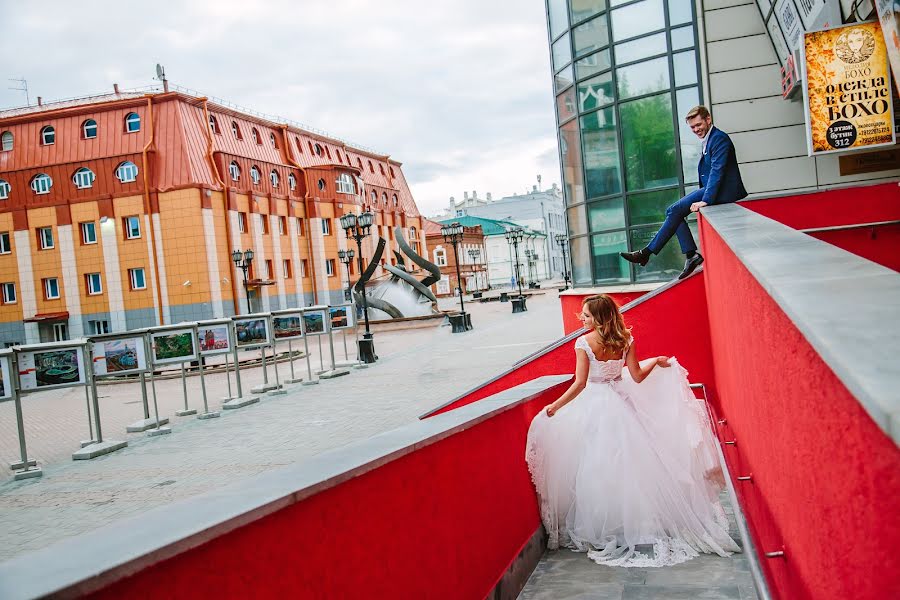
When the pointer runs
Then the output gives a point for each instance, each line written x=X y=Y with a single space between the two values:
x=624 y=75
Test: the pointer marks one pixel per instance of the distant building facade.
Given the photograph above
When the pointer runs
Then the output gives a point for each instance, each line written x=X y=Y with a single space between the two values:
x=472 y=266
x=122 y=211
x=538 y=210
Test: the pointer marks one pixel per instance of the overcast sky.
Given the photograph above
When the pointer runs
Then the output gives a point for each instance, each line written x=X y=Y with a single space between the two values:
x=459 y=91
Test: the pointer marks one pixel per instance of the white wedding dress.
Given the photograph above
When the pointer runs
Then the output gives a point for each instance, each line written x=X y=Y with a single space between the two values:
x=626 y=465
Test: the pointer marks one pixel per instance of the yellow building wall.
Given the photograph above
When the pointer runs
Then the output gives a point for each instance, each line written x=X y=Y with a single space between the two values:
x=184 y=247
x=223 y=247
x=89 y=257
x=45 y=263
x=9 y=272
x=133 y=253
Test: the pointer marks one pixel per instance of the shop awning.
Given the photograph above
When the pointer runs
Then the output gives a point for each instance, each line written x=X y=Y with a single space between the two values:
x=43 y=317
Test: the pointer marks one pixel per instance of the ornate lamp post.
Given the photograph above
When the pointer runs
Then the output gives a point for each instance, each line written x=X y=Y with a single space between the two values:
x=242 y=261
x=357 y=227
x=474 y=254
x=453 y=234
x=346 y=257
x=514 y=236
x=563 y=242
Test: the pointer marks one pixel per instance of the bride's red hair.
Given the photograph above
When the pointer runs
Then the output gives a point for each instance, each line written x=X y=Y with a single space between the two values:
x=610 y=325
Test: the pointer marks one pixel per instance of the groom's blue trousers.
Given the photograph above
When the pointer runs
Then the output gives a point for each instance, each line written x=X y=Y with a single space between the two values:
x=675 y=224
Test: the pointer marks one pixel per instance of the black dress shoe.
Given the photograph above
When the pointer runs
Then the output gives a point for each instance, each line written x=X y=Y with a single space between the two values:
x=691 y=264
x=639 y=258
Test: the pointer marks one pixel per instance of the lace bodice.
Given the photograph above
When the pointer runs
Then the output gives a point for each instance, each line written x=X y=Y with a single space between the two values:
x=602 y=371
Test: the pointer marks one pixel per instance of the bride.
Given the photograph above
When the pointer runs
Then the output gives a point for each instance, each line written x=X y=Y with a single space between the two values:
x=632 y=461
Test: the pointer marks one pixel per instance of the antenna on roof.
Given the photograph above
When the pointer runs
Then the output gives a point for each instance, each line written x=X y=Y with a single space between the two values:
x=24 y=88
x=161 y=75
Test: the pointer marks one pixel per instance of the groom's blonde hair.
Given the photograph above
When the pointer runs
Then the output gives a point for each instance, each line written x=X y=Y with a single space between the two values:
x=610 y=325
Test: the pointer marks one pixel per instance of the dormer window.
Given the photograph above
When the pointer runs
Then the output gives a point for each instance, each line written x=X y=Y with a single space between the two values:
x=7 y=141
x=132 y=123
x=236 y=131
x=274 y=140
x=213 y=124
x=255 y=135
x=235 y=171
x=48 y=136
x=89 y=129
x=273 y=177
x=83 y=178
x=41 y=183
x=127 y=172
x=292 y=181
x=345 y=184
x=254 y=174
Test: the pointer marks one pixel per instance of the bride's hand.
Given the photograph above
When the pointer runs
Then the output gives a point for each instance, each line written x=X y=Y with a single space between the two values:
x=551 y=410
x=663 y=361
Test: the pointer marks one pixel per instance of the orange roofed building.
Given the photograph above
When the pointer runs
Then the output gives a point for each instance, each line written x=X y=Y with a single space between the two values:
x=122 y=211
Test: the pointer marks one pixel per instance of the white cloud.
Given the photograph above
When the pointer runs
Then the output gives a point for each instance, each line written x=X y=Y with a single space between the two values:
x=457 y=90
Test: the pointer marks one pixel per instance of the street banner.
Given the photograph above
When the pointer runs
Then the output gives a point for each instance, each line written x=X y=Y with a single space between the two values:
x=847 y=93
x=889 y=15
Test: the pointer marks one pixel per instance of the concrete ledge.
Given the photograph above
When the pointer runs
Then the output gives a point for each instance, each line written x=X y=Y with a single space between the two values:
x=845 y=306
x=99 y=449
x=89 y=562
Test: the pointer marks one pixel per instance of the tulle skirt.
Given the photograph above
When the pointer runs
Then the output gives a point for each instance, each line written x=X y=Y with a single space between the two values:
x=628 y=473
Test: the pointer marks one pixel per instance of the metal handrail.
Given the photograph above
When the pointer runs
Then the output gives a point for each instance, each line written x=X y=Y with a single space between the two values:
x=846 y=227
x=759 y=580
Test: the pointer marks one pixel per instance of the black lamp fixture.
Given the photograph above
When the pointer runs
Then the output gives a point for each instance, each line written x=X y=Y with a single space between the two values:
x=514 y=236
x=346 y=257
x=563 y=242
x=357 y=228
x=242 y=261
x=453 y=234
x=475 y=254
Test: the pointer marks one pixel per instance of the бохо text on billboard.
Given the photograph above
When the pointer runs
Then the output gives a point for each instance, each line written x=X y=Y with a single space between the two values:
x=847 y=93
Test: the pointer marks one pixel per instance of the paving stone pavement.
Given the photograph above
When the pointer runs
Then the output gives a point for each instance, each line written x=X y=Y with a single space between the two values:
x=418 y=370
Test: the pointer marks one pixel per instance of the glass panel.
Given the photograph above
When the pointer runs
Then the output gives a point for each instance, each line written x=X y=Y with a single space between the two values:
x=565 y=105
x=608 y=265
x=591 y=36
x=558 y=16
x=665 y=265
x=595 y=63
x=606 y=214
x=581 y=263
x=651 y=206
x=562 y=52
x=637 y=19
x=648 y=139
x=577 y=222
x=685 y=100
x=683 y=37
x=601 y=154
x=764 y=6
x=595 y=92
x=564 y=78
x=642 y=48
x=582 y=9
x=570 y=151
x=685 y=64
x=643 y=78
x=680 y=11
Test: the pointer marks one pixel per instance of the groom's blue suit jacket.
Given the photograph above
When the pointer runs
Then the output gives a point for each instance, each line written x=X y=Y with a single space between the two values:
x=720 y=177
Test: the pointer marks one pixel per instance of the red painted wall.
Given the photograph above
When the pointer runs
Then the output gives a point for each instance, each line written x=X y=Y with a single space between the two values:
x=878 y=244
x=571 y=306
x=825 y=478
x=671 y=323
x=443 y=522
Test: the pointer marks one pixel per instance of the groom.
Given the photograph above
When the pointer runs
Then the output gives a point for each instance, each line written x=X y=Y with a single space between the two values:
x=720 y=182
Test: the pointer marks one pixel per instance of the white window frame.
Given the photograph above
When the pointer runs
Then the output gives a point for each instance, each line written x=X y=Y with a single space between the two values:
x=47 y=286
x=269 y=266
x=254 y=175
x=41 y=184
x=132 y=276
x=5 y=243
x=9 y=293
x=98 y=327
x=7 y=141
x=213 y=124
x=286 y=268
x=329 y=267
x=235 y=170
x=131 y=119
x=412 y=233
x=45 y=238
x=264 y=223
x=345 y=184
x=85 y=127
x=440 y=257
x=292 y=181
x=273 y=140
x=273 y=177
x=326 y=226
x=47 y=131
x=255 y=135
x=4 y=189
x=127 y=172
x=83 y=178
x=302 y=268
x=130 y=234
x=89 y=284
x=242 y=222
x=299 y=226
x=84 y=235
x=282 y=225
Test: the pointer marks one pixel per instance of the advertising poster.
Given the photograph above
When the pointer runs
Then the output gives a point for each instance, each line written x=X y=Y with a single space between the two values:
x=6 y=382
x=45 y=369
x=340 y=317
x=173 y=346
x=287 y=326
x=251 y=332
x=848 y=101
x=889 y=16
x=314 y=322
x=213 y=338
x=119 y=357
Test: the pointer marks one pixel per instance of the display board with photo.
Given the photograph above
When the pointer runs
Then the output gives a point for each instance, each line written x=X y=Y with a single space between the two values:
x=54 y=367
x=287 y=326
x=120 y=356
x=172 y=346
x=251 y=332
x=341 y=317
x=6 y=384
x=214 y=338
x=314 y=322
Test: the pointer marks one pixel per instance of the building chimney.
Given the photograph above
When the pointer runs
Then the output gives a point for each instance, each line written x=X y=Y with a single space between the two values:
x=474 y=194
x=534 y=189
x=452 y=200
x=465 y=195
x=116 y=88
x=39 y=101
x=488 y=196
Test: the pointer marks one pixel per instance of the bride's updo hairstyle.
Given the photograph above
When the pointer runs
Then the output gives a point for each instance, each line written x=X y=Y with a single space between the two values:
x=610 y=324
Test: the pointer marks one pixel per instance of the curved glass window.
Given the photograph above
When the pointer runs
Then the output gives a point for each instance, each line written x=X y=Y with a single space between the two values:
x=648 y=142
x=48 y=136
x=682 y=37
x=7 y=141
x=41 y=183
x=582 y=9
x=680 y=11
x=607 y=214
x=132 y=122
x=641 y=48
x=650 y=207
x=127 y=172
x=608 y=265
x=637 y=19
x=561 y=52
x=591 y=36
x=570 y=150
x=565 y=105
x=83 y=178
x=596 y=92
x=558 y=16
x=643 y=78
x=685 y=64
x=603 y=174
x=89 y=129
x=593 y=64
x=685 y=100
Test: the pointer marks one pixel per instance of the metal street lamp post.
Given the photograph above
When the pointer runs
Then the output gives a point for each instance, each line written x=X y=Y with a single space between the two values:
x=453 y=234
x=514 y=236
x=474 y=253
x=563 y=242
x=242 y=261
x=346 y=257
x=357 y=227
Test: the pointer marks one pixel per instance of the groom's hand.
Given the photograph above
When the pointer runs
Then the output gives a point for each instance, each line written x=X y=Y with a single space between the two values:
x=697 y=206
